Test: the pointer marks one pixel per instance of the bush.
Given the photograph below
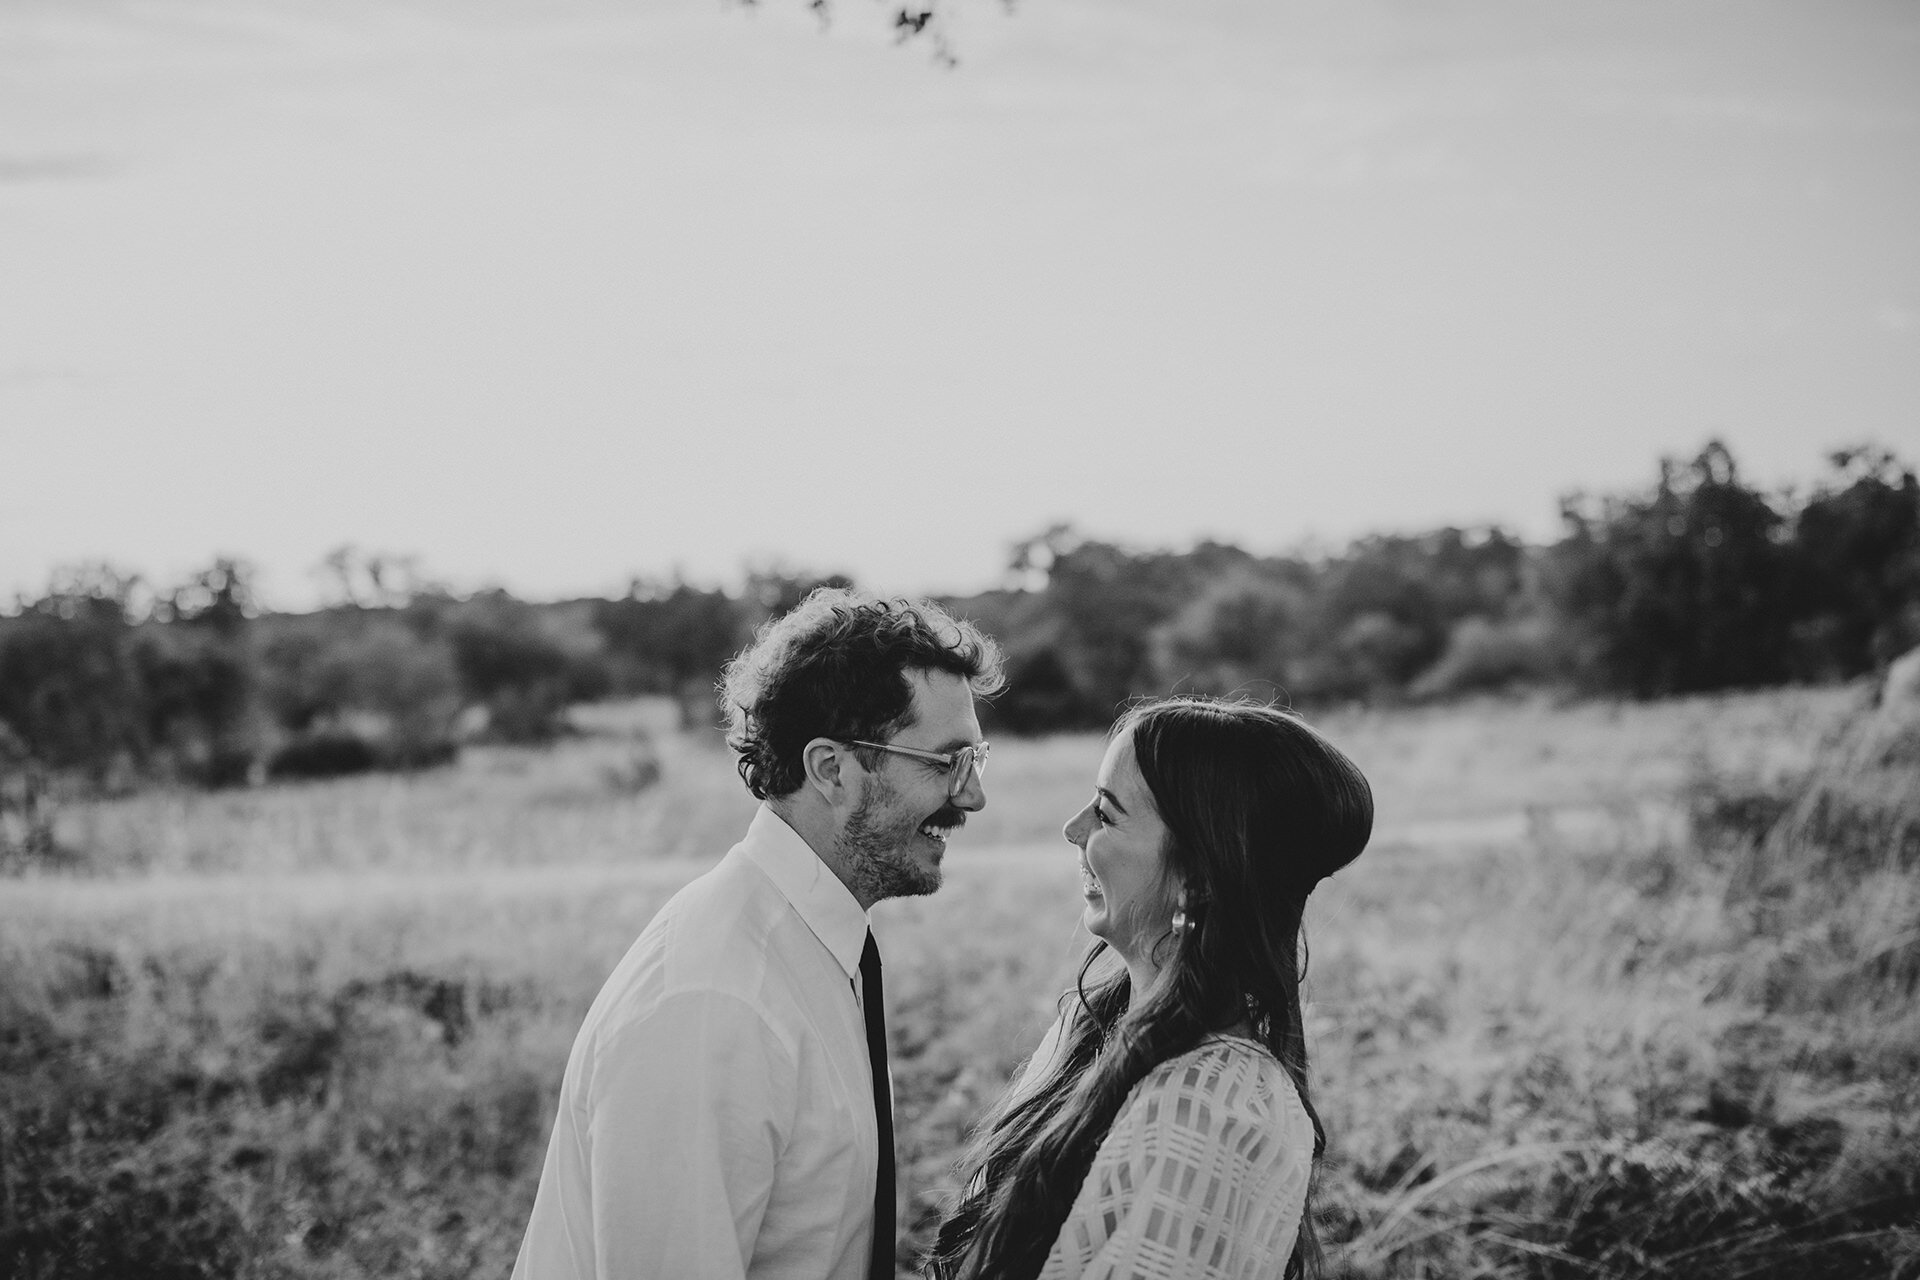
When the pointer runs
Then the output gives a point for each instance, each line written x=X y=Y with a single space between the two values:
x=1858 y=813
x=523 y=664
x=68 y=687
x=1677 y=589
x=201 y=702
x=26 y=808
x=94 y=692
x=1041 y=697
x=1819 y=874
x=323 y=755
x=1863 y=821
x=1751 y=1206
x=168 y=1119
x=1734 y=815
x=1245 y=632
x=670 y=640
x=1484 y=655
x=360 y=691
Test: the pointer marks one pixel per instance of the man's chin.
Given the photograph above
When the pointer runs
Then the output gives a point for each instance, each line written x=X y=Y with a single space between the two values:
x=903 y=868
x=913 y=879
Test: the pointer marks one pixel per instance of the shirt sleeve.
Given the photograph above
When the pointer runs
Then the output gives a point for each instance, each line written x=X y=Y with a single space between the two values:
x=688 y=1111
x=1197 y=1181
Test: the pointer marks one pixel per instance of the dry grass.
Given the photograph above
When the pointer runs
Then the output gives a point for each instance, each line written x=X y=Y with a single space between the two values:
x=316 y=1030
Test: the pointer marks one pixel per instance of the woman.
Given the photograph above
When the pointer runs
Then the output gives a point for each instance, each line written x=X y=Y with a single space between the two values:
x=1164 y=1128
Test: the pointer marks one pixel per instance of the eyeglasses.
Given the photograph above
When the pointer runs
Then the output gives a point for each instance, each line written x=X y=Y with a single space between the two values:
x=960 y=765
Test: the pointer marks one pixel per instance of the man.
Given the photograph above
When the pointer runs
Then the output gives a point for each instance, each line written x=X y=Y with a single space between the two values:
x=721 y=1115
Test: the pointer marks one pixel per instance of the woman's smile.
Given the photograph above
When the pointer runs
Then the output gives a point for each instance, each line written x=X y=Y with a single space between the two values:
x=1123 y=868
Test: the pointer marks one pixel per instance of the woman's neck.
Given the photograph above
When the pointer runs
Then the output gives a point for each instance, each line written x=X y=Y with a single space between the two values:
x=1141 y=975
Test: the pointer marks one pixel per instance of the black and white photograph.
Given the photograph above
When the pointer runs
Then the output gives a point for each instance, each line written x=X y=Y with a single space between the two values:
x=959 y=640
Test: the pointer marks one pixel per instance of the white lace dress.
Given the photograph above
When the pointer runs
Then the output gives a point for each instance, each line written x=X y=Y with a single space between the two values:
x=1203 y=1175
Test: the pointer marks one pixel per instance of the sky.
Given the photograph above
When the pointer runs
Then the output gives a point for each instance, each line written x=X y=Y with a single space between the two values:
x=556 y=293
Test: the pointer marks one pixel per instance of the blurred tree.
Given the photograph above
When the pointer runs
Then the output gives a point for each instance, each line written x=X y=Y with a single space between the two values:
x=68 y=688
x=1245 y=632
x=362 y=579
x=200 y=676
x=1031 y=559
x=1681 y=589
x=89 y=686
x=27 y=808
x=1700 y=582
x=1488 y=655
x=1110 y=600
x=1392 y=603
x=199 y=700
x=675 y=639
x=1088 y=633
x=219 y=598
x=358 y=689
x=1041 y=697
x=776 y=589
x=1857 y=541
x=925 y=21
x=515 y=659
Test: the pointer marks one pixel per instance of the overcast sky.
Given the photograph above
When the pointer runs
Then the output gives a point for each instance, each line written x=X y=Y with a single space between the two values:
x=554 y=293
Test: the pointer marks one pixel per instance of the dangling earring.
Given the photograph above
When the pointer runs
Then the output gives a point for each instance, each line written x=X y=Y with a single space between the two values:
x=1182 y=922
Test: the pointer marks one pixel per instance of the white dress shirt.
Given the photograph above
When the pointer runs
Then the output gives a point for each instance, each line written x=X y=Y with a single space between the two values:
x=716 y=1117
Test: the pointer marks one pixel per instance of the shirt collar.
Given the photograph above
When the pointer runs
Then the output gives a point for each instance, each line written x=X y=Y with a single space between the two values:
x=826 y=905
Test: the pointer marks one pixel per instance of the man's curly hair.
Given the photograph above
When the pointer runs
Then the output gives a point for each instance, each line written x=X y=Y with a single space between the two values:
x=836 y=667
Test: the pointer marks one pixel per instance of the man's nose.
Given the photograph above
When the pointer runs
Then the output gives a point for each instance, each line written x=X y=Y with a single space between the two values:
x=973 y=796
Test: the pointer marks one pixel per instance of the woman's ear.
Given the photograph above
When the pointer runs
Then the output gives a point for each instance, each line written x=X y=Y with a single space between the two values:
x=1183 y=918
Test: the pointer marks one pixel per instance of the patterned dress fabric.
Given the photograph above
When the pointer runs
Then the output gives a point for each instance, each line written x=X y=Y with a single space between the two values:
x=1203 y=1175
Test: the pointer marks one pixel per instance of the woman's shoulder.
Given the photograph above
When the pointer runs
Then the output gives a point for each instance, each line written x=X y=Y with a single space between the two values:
x=1223 y=1057
x=1224 y=1082
x=1225 y=1110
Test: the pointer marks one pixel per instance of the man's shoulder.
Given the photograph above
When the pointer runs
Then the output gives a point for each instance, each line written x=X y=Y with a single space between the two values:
x=708 y=921
x=712 y=939
x=733 y=893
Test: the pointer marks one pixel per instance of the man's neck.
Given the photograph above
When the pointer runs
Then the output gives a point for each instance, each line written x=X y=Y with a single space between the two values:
x=815 y=826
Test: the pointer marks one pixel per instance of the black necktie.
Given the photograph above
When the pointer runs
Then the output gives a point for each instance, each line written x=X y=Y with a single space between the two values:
x=871 y=1002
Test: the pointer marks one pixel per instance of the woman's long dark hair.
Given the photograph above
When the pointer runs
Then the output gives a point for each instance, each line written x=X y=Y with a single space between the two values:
x=1258 y=809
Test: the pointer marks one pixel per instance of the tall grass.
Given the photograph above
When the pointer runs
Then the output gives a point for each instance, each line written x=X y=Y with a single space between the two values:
x=1560 y=1028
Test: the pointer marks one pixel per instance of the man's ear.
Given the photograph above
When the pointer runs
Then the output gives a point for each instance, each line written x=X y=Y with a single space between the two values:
x=820 y=761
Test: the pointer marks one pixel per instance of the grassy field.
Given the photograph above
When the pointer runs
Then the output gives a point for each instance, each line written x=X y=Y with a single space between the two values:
x=1562 y=1026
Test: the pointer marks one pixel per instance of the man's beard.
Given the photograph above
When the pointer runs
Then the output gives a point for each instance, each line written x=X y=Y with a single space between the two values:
x=873 y=852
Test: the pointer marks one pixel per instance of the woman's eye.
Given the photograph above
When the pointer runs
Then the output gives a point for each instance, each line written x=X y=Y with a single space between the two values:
x=1100 y=816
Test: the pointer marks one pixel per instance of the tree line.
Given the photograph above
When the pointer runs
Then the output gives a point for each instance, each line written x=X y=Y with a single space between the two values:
x=1698 y=582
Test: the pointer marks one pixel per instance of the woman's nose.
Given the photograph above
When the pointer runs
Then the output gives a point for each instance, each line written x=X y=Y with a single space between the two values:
x=1076 y=830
